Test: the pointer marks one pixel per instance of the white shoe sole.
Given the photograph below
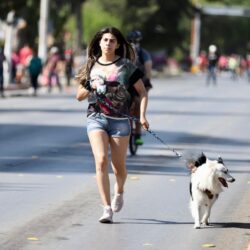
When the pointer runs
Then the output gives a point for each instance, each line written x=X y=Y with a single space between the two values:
x=105 y=220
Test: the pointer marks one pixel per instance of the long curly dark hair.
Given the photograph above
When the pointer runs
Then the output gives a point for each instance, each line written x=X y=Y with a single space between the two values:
x=125 y=50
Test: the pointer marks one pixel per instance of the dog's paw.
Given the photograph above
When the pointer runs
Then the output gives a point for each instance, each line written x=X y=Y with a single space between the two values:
x=205 y=223
x=197 y=226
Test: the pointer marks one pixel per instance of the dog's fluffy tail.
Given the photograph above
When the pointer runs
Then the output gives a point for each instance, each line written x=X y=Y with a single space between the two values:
x=194 y=159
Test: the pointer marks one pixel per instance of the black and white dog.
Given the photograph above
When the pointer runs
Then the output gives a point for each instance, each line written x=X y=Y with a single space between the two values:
x=207 y=179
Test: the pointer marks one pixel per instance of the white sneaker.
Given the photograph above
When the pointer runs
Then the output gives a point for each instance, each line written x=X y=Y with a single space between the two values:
x=107 y=215
x=117 y=202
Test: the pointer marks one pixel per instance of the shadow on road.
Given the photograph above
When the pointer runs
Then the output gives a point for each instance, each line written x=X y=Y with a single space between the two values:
x=151 y=221
x=231 y=225
x=65 y=149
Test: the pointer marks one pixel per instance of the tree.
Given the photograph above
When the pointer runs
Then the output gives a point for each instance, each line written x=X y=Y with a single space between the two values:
x=164 y=24
x=230 y=34
x=73 y=7
x=6 y=6
x=157 y=19
x=60 y=11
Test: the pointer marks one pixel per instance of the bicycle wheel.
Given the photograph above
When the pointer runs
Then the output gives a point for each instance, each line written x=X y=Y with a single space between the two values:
x=132 y=145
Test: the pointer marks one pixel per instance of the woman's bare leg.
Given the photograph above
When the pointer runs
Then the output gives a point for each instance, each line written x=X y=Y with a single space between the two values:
x=119 y=146
x=99 y=141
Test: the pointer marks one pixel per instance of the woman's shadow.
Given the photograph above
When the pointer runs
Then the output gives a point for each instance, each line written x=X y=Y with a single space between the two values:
x=151 y=221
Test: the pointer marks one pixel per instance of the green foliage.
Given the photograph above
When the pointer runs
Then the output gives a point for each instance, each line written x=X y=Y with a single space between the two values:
x=8 y=5
x=165 y=24
x=140 y=12
x=112 y=6
x=164 y=28
x=230 y=34
x=227 y=2
x=96 y=18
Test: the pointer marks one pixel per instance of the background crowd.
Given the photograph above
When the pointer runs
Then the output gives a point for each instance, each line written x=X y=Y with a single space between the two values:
x=62 y=64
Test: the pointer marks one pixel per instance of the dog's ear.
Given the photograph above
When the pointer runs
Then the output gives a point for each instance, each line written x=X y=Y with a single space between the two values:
x=201 y=160
x=220 y=160
x=203 y=155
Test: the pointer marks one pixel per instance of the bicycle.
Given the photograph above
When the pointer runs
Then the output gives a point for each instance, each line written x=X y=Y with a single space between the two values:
x=132 y=140
x=132 y=145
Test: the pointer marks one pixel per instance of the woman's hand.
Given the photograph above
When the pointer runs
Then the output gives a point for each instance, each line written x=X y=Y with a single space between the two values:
x=82 y=93
x=144 y=123
x=99 y=85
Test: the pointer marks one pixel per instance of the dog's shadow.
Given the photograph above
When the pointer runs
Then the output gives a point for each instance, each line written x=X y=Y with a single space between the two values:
x=230 y=225
x=165 y=222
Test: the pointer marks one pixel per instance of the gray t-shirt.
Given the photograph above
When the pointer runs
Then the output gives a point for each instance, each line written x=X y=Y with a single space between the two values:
x=119 y=78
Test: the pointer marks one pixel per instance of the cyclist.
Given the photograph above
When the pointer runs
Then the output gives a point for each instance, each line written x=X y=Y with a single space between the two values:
x=144 y=63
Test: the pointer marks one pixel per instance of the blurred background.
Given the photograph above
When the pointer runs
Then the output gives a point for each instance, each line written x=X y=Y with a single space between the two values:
x=176 y=33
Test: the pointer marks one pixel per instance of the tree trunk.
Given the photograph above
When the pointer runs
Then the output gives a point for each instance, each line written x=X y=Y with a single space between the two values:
x=79 y=24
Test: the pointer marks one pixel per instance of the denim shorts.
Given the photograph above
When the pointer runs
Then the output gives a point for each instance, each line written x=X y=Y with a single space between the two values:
x=113 y=126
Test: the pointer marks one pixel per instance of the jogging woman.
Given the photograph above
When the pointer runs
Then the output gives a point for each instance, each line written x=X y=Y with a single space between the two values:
x=107 y=80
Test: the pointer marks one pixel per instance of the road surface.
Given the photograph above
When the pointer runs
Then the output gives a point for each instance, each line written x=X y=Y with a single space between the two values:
x=48 y=193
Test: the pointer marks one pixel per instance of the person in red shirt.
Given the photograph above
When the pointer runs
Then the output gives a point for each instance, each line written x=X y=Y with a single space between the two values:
x=25 y=54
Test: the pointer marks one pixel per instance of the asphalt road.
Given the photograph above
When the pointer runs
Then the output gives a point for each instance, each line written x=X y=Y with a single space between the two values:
x=48 y=193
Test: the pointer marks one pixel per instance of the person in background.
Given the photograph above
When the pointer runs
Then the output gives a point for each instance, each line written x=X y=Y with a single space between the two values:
x=248 y=67
x=2 y=59
x=15 y=61
x=233 y=66
x=212 y=64
x=144 y=63
x=25 y=53
x=35 y=67
x=202 y=61
x=51 y=65
x=222 y=63
x=107 y=80
x=69 y=60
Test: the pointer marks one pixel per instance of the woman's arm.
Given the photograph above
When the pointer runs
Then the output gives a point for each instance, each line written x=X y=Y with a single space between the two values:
x=148 y=69
x=82 y=93
x=139 y=86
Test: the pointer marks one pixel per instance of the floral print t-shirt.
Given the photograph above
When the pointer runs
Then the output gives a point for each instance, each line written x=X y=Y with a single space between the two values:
x=118 y=79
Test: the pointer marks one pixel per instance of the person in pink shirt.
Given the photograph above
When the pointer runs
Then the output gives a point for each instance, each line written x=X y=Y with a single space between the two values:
x=15 y=60
x=248 y=67
x=51 y=66
x=222 y=63
x=25 y=54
